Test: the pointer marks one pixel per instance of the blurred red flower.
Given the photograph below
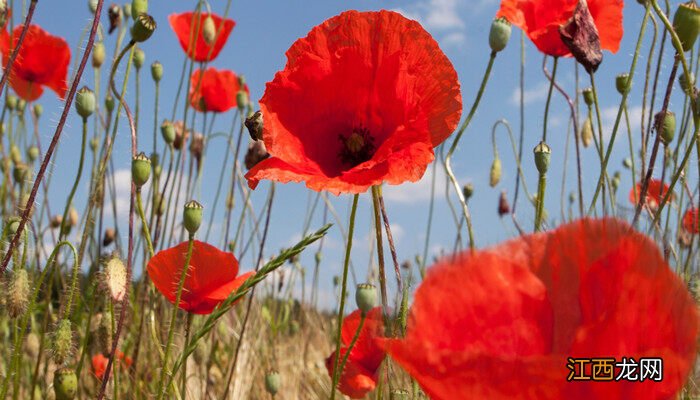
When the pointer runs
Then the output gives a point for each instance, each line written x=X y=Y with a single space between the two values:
x=655 y=193
x=359 y=376
x=540 y=20
x=99 y=363
x=214 y=90
x=42 y=61
x=691 y=220
x=364 y=98
x=501 y=323
x=212 y=276
x=199 y=50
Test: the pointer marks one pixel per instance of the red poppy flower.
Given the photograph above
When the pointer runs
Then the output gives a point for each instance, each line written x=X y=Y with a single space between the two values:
x=214 y=90
x=211 y=278
x=363 y=99
x=655 y=193
x=99 y=365
x=540 y=19
x=184 y=23
x=359 y=376
x=42 y=61
x=502 y=323
x=691 y=220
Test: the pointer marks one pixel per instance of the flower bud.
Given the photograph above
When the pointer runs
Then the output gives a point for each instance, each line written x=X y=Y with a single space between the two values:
x=115 y=279
x=273 y=381
x=138 y=7
x=85 y=102
x=499 y=34
x=109 y=236
x=115 y=17
x=38 y=110
x=668 y=127
x=139 y=58
x=20 y=173
x=143 y=28
x=31 y=347
x=11 y=102
x=615 y=182
x=468 y=191
x=15 y=154
x=158 y=204
x=242 y=100
x=209 y=30
x=65 y=384
x=63 y=342
x=92 y=5
x=588 y=96
x=56 y=221
x=192 y=217
x=98 y=54
x=686 y=23
x=572 y=198
x=255 y=154
x=140 y=169
x=167 y=130
x=18 y=293
x=623 y=84
x=11 y=227
x=254 y=124
x=104 y=334
x=587 y=132
x=73 y=216
x=503 y=206
x=157 y=71
x=109 y=103
x=627 y=163
x=32 y=153
x=127 y=11
x=197 y=147
x=543 y=153
x=21 y=105
x=365 y=297
x=687 y=85
x=495 y=175
x=94 y=143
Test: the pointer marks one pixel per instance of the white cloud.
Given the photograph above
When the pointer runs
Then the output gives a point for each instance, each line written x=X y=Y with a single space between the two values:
x=408 y=193
x=533 y=94
x=609 y=115
x=443 y=18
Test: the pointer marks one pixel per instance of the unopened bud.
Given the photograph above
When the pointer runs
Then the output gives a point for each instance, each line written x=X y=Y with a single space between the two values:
x=468 y=191
x=209 y=30
x=543 y=153
x=98 y=54
x=503 y=206
x=92 y=5
x=56 y=221
x=627 y=163
x=588 y=97
x=495 y=174
x=38 y=110
x=109 y=236
x=109 y=103
x=32 y=153
x=11 y=102
x=157 y=71
x=158 y=204
x=242 y=100
x=616 y=181
x=85 y=102
x=138 y=7
x=139 y=58
x=499 y=34
x=18 y=293
x=115 y=278
x=687 y=85
x=273 y=381
x=668 y=127
x=167 y=130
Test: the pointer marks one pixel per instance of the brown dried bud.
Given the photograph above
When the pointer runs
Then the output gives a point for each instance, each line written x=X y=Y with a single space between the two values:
x=254 y=123
x=56 y=221
x=115 y=17
x=256 y=153
x=181 y=135
x=580 y=35
x=109 y=236
x=503 y=206
x=197 y=148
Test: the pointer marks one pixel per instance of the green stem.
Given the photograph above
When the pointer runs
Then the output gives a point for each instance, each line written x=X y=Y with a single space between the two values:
x=363 y=316
x=549 y=98
x=380 y=249
x=142 y=215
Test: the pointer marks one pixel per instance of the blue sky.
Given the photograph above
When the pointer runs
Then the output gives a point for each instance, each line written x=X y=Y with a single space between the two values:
x=265 y=30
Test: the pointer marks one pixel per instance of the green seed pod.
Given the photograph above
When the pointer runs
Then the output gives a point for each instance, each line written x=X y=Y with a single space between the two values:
x=85 y=102
x=92 y=5
x=365 y=297
x=139 y=58
x=209 y=30
x=127 y=11
x=98 y=54
x=18 y=293
x=587 y=132
x=668 y=128
x=399 y=394
x=543 y=153
x=192 y=217
x=627 y=163
x=687 y=85
x=588 y=96
x=686 y=23
x=32 y=153
x=242 y=100
x=495 y=175
x=20 y=173
x=38 y=110
x=94 y=144
x=109 y=103
x=15 y=154
x=138 y=7
x=623 y=84
x=167 y=129
x=63 y=342
x=499 y=34
x=140 y=169
x=468 y=191
x=11 y=102
x=65 y=384
x=273 y=381
x=157 y=71
x=143 y=28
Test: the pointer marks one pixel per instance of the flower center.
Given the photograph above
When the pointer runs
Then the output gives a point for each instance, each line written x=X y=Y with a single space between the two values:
x=357 y=148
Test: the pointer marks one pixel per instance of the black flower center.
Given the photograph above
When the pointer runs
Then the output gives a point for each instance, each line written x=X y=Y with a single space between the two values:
x=357 y=147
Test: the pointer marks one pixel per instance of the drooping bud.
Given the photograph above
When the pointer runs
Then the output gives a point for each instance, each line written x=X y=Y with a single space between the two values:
x=503 y=205
x=94 y=143
x=499 y=35
x=115 y=17
x=468 y=191
x=209 y=30
x=495 y=174
x=587 y=132
x=15 y=154
x=686 y=23
x=273 y=381
x=254 y=124
x=138 y=7
x=143 y=28
x=167 y=130
x=365 y=297
x=65 y=384
x=588 y=97
x=115 y=279
x=255 y=154
x=336 y=280
x=140 y=169
x=73 y=217
x=181 y=135
x=98 y=54
x=157 y=71
x=668 y=127
x=242 y=100
x=543 y=153
x=32 y=153
x=63 y=342
x=109 y=103
x=139 y=58
x=85 y=102
x=197 y=148
x=192 y=217
x=18 y=293
x=623 y=84
x=627 y=163
x=109 y=236
x=687 y=85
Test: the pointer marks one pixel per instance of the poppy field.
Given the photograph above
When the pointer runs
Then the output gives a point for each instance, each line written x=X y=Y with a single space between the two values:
x=207 y=200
